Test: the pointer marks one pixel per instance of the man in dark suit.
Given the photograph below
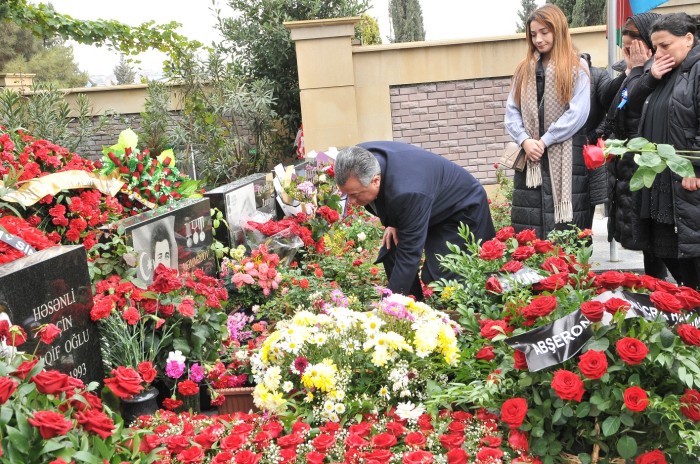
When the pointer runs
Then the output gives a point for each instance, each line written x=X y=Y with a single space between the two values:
x=420 y=198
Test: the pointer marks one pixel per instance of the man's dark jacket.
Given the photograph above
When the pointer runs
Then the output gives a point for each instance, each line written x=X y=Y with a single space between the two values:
x=425 y=196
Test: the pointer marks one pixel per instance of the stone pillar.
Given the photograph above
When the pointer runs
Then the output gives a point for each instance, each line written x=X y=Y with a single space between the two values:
x=22 y=82
x=326 y=81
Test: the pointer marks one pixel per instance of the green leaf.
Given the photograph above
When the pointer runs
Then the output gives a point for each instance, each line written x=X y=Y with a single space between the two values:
x=667 y=337
x=51 y=445
x=18 y=439
x=665 y=151
x=637 y=181
x=610 y=426
x=627 y=447
x=600 y=344
x=681 y=166
x=647 y=159
x=649 y=176
x=87 y=456
x=637 y=143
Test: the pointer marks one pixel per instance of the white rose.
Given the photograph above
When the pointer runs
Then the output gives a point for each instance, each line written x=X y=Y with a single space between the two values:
x=322 y=178
x=361 y=236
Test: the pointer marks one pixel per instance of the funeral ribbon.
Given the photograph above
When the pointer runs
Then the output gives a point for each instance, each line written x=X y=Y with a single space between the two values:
x=16 y=242
x=33 y=190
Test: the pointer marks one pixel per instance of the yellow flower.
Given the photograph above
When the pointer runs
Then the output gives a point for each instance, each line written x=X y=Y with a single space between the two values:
x=447 y=293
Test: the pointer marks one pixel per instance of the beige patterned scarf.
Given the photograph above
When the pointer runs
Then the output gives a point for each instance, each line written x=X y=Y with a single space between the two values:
x=558 y=154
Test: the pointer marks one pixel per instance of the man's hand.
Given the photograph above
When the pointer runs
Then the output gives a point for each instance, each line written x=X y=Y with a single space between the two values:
x=691 y=183
x=389 y=237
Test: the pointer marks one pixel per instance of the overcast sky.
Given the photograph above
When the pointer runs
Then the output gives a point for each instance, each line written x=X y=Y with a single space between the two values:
x=443 y=19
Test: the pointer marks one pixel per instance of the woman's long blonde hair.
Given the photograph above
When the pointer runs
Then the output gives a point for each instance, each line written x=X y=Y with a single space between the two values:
x=563 y=54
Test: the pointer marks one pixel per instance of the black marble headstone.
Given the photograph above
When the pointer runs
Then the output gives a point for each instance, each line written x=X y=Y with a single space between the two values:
x=53 y=286
x=178 y=235
x=240 y=199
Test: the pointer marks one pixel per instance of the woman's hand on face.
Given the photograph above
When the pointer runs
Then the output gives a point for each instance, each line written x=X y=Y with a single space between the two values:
x=662 y=66
x=691 y=183
x=636 y=54
x=534 y=149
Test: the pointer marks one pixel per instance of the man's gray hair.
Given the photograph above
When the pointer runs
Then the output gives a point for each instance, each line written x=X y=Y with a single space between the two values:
x=358 y=162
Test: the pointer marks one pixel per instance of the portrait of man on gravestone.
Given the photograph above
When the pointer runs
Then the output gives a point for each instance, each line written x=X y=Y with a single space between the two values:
x=155 y=244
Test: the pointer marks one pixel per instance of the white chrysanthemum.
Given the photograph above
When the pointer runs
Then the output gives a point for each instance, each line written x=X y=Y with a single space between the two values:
x=291 y=345
x=339 y=408
x=273 y=377
x=304 y=318
x=319 y=339
x=241 y=355
x=372 y=324
x=328 y=406
x=380 y=356
x=287 y=386
x=409 y=411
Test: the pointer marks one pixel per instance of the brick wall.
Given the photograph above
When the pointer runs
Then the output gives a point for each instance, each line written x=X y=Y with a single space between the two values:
x=460 y=120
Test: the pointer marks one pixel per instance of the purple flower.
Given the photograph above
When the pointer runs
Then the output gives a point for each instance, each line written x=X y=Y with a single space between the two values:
x=236 y=323
x=197 y=373
x=300 y=365
x=339 y=298
x=307 y=188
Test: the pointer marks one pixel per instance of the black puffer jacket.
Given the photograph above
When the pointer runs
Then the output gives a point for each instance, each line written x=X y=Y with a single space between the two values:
x=684 y=134
x=534 y=207
x=603 y=90
x=624 y=223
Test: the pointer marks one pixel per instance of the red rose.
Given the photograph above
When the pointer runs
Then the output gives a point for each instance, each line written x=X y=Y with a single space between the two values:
x=552 y=282
x=323 y=442
x=193 y=454
x=25 y=368
x=526 y=236
x=636 y=399
x=51 y=382
x=457 y=456
x=490 y=328
x=302 y=427
x=451 y=441
x=288 y=456
x=188 y=388
x=651 y=457
x=518 y=440
x=492 y=249
x=523 y=252
x=177 y=443
x=593 y=155
x=519 y=360
x=493 y=285
x=540 y=306
x=96 y=422
x=505 y=233
x=425 y=423
x=314 y=457
x=274 y=428
x=486 y=353
x=456 y=428
x=689 y=334
x=354 y=441
x=248 y=457
x=48 y=333
x=383 y=441
x=378 y=455
x=462 y=416
x=512 y=266
x=233 y=442
x=418 y=457
x=513 y=412
x=593 y=364
x=542 y=246
x=17 y=336
x=362 y=429
x=567 y=385
x=489 y=455
x=690 y=405
x=415 y=440
x=50 y=423
x=147 y=371
x=610 y=279
x=125 y=382
x=613 y=305
x=593 y=310
x=555 y=264
x=491 y=441
x=631 y=350
x=689 y=297
x=290 y=441
x=666 y=302
x=7 y=388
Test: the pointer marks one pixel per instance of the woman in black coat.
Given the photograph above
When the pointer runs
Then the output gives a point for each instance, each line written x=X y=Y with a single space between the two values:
x=670 y=91
x=622 y=122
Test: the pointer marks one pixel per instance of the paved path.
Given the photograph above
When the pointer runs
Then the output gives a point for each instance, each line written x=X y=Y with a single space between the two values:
x=627 y=260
